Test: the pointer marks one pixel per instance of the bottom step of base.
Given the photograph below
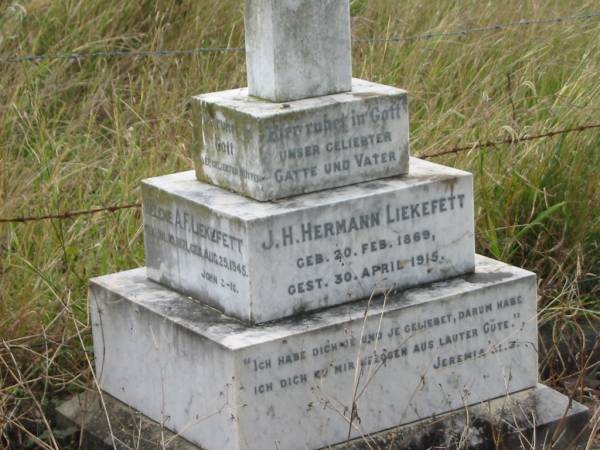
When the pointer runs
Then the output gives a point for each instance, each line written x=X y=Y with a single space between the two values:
x=539 y=418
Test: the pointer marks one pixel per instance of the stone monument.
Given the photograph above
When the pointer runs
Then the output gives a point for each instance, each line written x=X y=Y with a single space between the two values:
x=309 y=283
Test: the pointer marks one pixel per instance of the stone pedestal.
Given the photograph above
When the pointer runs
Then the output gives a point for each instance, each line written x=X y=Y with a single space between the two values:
x=264 y=261
x=271 y=150
x=299 y=382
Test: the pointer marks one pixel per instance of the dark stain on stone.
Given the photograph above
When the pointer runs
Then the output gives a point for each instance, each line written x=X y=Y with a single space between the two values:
x=374 y=185
x=489 y=277
x=363 y=95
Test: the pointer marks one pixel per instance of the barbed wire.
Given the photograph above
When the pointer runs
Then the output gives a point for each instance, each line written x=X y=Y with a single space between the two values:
x=120 y=54
x=71 y=214
x=202 y=50
x=454 y=150
x=490 y=28
x=532 y=137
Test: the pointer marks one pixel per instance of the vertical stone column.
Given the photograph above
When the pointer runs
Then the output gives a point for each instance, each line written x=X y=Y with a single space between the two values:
x=298 y=48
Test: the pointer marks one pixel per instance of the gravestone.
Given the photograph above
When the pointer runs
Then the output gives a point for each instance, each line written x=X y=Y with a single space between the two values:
x=291 y=299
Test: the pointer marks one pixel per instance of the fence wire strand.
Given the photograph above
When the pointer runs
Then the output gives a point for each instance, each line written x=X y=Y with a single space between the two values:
x=490 y=28
x=526 y=138
x=454 y=150
x=394 y=39
x=72 y=214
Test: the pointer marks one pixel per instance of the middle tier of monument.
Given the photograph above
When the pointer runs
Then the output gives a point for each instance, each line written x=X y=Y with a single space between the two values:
x=267 y=150
x=261 y=261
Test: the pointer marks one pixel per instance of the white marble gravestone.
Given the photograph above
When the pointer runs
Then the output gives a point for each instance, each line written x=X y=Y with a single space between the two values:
x=308 y=283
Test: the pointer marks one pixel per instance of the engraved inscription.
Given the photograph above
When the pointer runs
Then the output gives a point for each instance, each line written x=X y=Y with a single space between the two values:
x=439 y=342
x=390 y=214
x=216 y=249
x=297 y=149
x=320 y=254
x=228 y=168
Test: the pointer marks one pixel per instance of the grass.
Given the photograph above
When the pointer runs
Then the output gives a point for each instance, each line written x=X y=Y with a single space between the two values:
x=79 y=134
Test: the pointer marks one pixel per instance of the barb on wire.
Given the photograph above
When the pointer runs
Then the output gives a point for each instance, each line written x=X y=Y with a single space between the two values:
x=474 y=146
x=202 y=50
x=531 y=137
x=71 y=214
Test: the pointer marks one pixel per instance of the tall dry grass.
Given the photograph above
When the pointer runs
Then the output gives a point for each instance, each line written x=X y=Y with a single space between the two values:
x=77 y=134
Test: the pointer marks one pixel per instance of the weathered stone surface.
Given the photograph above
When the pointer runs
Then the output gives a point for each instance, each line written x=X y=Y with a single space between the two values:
x=106 y=423
x=270 y=150
x=298 y=48
x=538 y=415
x=295 y=384
x=538 y=418
x=264 y=261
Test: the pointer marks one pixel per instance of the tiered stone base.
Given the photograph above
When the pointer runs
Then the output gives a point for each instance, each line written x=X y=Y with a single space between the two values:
x=300 y=383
